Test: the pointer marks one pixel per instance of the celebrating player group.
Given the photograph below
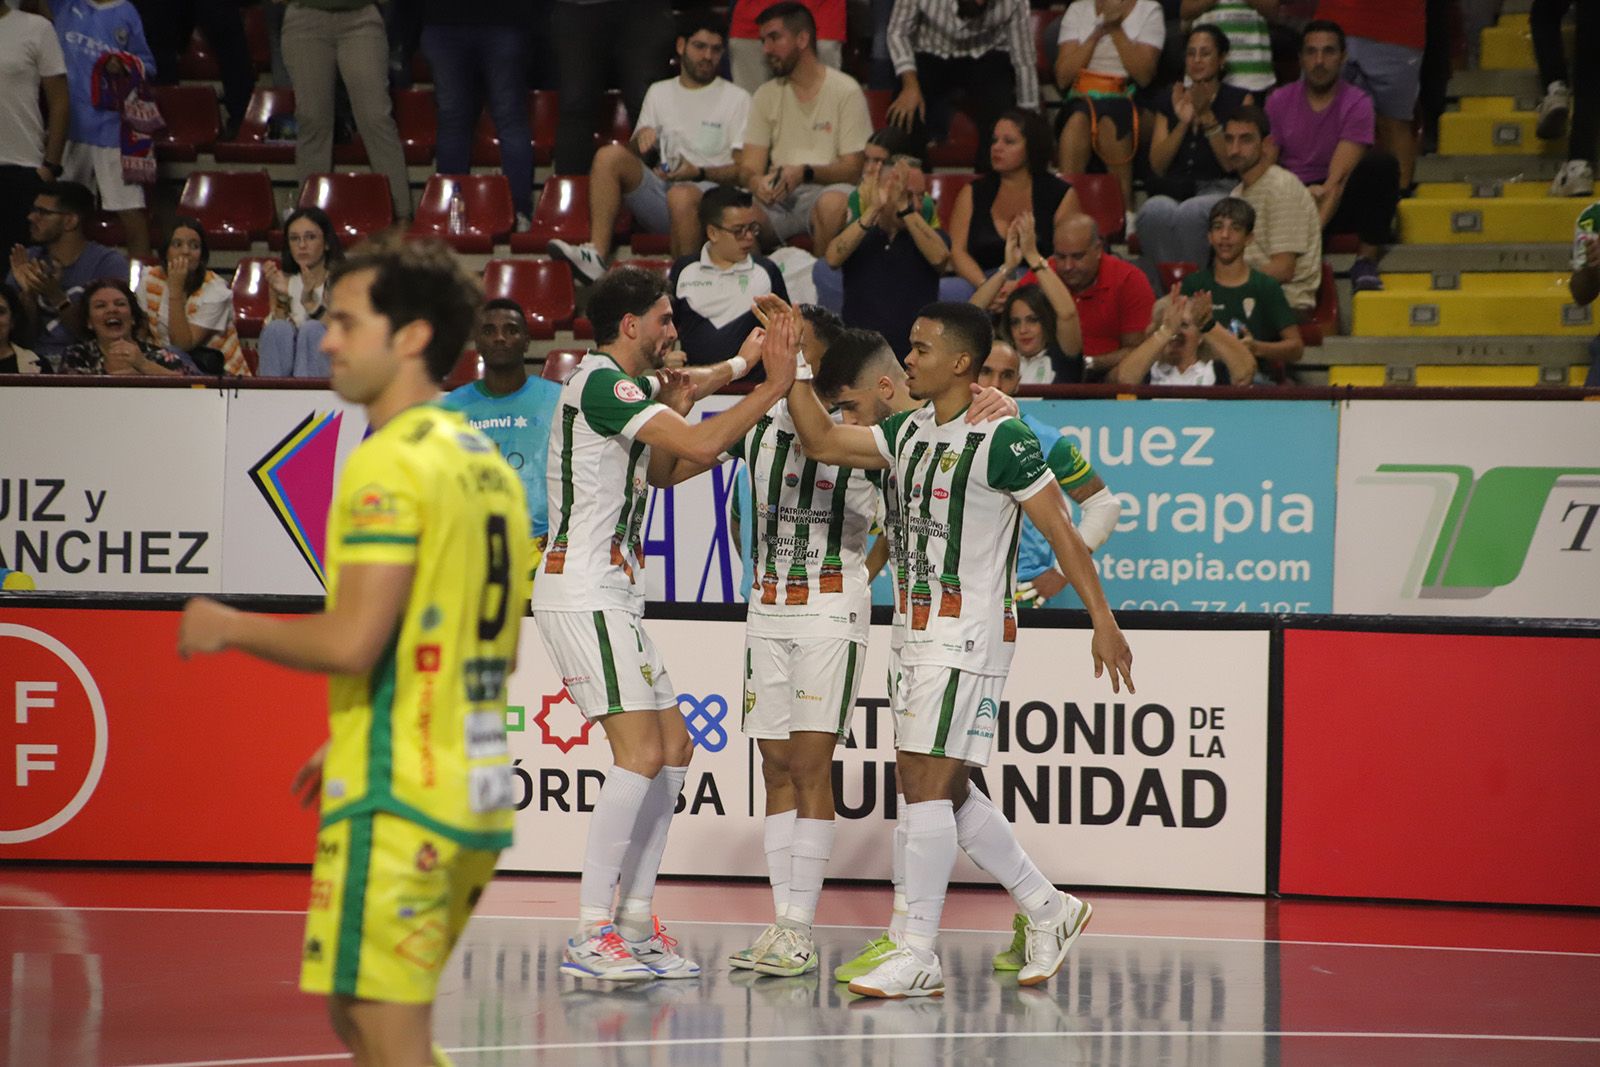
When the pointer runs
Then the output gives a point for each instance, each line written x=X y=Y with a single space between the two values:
x=428 y=558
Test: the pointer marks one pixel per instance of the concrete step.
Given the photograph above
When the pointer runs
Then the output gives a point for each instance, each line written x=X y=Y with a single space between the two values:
x=1494 y=131
x=1492 y=189
x=1481 y=220
x=1476 y=168
x=1517 y=84
x=1494 y=283
x=1459 y=260
x=1401 y=310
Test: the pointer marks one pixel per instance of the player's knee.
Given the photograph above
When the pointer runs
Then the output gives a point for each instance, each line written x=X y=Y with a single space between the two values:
x=683 y=198
x=775 y=771
x=608 y=158
x=677 y=751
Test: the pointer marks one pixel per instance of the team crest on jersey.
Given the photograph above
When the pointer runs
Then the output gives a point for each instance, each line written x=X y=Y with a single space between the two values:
x=946 y=462
x=648 y=672
x=791 y=479
x=374 y=506
x=628 y=391
x=427 y=857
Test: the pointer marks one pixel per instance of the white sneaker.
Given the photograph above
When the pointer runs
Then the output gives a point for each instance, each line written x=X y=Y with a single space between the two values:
x=902 y=975
x=604 y=955
x=745 y=958
x=792 y=952
x=587 y=263
x=1048 y=945
x=659 y=953
x=1576 y=178
x=1553 y=109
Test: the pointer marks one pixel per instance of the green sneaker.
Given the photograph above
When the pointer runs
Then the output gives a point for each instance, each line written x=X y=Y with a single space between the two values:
x=1014 y=957
x=877 y=950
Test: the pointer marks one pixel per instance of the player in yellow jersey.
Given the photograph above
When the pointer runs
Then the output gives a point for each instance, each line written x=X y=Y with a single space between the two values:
x=427 y=579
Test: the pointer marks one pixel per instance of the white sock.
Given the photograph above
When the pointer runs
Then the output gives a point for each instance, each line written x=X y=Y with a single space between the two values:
x=778 y=841
x=897 y=921
x=930 y=857
x=988 y=841
x=611 y=828
x=813 y=845
x=642 y=862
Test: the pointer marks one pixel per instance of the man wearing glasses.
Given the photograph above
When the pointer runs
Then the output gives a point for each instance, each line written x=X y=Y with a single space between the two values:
x=51 y=274
x=712 y=292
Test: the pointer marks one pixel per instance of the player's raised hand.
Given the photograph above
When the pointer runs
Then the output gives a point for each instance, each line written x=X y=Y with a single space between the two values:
x=750 y=351
x=989 y=404
x=779 y=346
x=767 y=306
x=676 y=390
x=1110 y=650
x=307 y=784
x=204 y=627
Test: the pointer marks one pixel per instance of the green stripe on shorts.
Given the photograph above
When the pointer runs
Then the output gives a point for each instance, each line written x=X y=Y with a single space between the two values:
x=607 y=664
x=947 y=710
x=847 y=700
x=352 y=910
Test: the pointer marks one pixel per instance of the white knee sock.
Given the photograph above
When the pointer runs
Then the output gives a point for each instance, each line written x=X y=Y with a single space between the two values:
x=930 y=857
x=778 y=839
x=813 y=845
x=611 y=828
x=988 y=841
x=897 y=921
x=642 y=862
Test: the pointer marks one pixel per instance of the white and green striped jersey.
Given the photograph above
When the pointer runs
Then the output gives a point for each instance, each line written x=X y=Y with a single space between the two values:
x=811 y=521
x=1588 y=225
x=959 y=487
x=1249 y=44
x=597 y=491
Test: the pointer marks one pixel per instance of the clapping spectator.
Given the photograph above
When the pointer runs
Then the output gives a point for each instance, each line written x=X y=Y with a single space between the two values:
x=1245 y=302
x=1244 y=22
x=31 y=143
x=50 y=275
x=1186 y=346
x=1113 y=297
x=291 y=341
x=88 y=31
x=1188 y=153
x=118 y=337
x=14 y=359
x=189 y=307
x=1039 y=322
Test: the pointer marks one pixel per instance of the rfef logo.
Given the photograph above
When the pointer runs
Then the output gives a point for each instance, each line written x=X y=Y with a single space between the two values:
x=52 y=734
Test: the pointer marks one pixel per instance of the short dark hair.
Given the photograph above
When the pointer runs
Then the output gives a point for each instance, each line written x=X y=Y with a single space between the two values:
x=899 y=142
x=1039 y=304
x=1253 y=115
x=620 y=292
x=1233 y=209
x=1218 y=38
x=80 y=308
x=188 y=222
x=720 y=199
x=824 y=324
x=501 y=303
x=332 y=247
x=967 y=326
x=419 y=279
x=797 y=18
x=1323 y=26
x=1036 y=138
x=847 y=357
x=703 y=19
x=72 y=197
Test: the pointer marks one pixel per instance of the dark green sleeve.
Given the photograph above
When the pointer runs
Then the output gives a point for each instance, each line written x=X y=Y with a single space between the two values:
x=1015 y=461
x=1276 y=314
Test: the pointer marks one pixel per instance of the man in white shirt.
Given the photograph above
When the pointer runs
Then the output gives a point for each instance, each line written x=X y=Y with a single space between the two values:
x=31 y=145
x=688 y=141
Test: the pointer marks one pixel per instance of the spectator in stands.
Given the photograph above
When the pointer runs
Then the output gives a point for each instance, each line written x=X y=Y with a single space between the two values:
x=1288 y=234
x=1322 y=127
x=88 y=31
x=1584 y=285
x=510 y=408
x=1187 y=346
x=1020 y=183
x=325 y=41
x=1187 y=153
x=291 y=340
x=1245 y=302
x=688 y=141
x=14 y=359
x=891 y=251
x=478 y=50
x=1039 y=322
x=980 y=51
x=50 y=276
x=1577 y=94
x=31 y=144
x=807 y=135
x=118 y=337
x=712 y=292
x=189 y=307
x=629 y=40
x=169 y=25
x=1244 y=23
x=1383 y=56
x=1108 y=49
x=746 y=57
x=1113 y=297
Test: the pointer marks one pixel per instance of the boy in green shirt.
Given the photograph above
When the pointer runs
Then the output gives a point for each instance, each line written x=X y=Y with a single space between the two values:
x=1248 y=303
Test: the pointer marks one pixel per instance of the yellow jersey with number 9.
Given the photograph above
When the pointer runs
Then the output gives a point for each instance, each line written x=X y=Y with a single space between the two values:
x=423 y=736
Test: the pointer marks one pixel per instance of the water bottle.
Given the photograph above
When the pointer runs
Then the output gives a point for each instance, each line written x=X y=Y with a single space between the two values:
x=458 y=214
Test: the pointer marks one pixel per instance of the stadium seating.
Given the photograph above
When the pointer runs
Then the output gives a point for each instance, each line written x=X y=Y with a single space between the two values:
x=562 y=211
x=416 y=118
x=251 y=144
x=542 y=287
x=1173 y=273
x=944 y=188
x=252 y=300
x=358 y=204
x=193 y=121
x=559 y=363
x=469 y=368
x=489 y=216
x=1101 y=199
x=236 y=207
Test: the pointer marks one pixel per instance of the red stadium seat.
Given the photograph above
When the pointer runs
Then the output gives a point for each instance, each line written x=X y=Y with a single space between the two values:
x=959 y=147
x=546 y=114
x=198 y=63
x=1043 y=46
x=878 y=101
x=236 y=207
x=615 y=125
x=660 y=266
x=256 y=39
x=1341 y=244
x=562 y=211
x=251 y=144
x=416 y=118
x=489 y=215
x=469 y=368
x=1101 y=199
x=1173 y=273
x=650 y=244
x=944 y=188
x=252 y=299
x=106 y=228
x=137 y=265
x=1323 y=319
x=541 y=287
x=486 y=142
x=358 y=204
x=559 y=363
x=193 y=121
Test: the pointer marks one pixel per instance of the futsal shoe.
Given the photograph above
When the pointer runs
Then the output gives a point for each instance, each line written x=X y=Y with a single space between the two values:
x=1014 y=957
x=604 y=955
x=1048 y=944
x=660 y=953
x=791 y=953
x=745 y=958
x=877 y=950
x=902 y=974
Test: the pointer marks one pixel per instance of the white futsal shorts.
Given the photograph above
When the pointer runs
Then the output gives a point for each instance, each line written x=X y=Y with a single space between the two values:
x=804 y=685
x=942 y=711
x=607 y=662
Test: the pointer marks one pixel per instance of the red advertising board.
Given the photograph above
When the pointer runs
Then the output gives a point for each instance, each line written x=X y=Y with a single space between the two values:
x=1441 y=767
x=112 y=748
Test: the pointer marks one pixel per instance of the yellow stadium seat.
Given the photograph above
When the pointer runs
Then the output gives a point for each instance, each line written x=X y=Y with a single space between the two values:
x=1357 y=374
x=1515 y=377
x=1485 y=220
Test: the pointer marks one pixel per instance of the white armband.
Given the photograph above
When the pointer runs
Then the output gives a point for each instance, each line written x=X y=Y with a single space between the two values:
x=739 y=366
x=802 y=369
x=1100 y=515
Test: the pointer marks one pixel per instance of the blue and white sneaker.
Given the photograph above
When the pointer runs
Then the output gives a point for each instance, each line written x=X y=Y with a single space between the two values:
x=604 y=955
x=660 y=953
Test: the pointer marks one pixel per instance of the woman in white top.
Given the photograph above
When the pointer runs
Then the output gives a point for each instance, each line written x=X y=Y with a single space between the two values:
x=14 y=359
x=291 y=340
x=190 y=308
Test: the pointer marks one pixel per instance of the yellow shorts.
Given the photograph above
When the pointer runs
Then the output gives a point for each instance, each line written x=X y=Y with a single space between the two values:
x=389 y=899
